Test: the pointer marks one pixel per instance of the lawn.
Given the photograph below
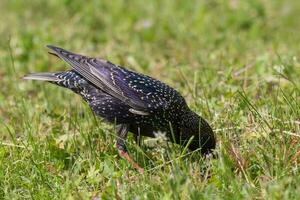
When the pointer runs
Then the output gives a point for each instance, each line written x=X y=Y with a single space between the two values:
x=237 y=63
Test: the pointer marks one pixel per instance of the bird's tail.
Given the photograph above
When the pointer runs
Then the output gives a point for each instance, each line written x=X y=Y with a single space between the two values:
x=44 y=76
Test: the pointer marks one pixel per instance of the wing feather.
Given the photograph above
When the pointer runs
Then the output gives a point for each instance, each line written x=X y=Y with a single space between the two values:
x=101 y=73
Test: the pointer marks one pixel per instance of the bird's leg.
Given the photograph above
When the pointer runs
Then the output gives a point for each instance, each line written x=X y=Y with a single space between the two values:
x=122 y=131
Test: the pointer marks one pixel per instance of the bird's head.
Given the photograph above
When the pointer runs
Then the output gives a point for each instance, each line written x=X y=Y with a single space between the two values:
x=195 y=130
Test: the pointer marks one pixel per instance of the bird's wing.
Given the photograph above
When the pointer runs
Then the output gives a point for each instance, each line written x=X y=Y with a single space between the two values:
x=123 y=84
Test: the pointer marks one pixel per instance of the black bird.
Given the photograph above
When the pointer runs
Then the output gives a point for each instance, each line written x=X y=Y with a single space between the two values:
x=135 y=102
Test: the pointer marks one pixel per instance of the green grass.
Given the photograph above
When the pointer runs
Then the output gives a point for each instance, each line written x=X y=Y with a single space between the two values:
x=236 y=63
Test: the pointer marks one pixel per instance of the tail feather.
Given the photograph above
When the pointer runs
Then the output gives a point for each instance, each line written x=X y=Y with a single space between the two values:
x=45 y=76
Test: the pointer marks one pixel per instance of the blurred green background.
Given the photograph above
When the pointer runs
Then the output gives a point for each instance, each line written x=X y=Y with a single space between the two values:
x=236 y=63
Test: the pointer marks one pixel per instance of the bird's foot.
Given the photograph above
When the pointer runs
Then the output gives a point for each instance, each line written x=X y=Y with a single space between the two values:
x=125 y=155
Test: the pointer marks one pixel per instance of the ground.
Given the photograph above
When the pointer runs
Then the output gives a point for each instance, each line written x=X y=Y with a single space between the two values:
x=236 y=63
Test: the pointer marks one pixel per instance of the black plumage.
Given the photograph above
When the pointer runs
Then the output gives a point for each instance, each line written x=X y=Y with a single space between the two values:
x=135 y=102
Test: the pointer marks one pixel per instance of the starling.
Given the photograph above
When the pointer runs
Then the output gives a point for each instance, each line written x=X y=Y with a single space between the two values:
x=135 y=102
